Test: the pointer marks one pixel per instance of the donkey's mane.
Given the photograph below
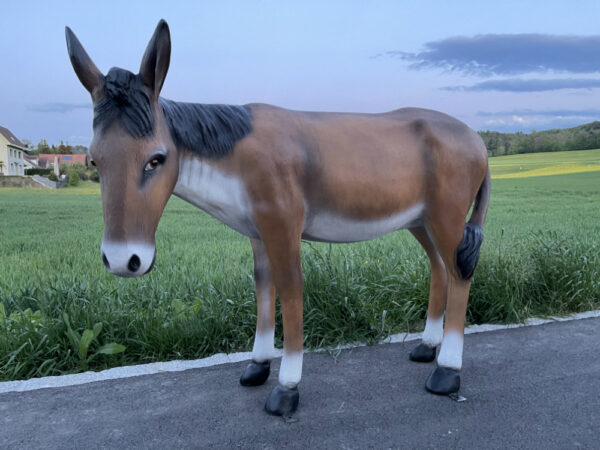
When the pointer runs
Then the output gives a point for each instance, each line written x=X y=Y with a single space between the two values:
x=207 y=130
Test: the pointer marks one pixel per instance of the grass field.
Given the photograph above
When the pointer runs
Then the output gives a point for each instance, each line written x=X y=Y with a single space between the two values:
x=541 y=256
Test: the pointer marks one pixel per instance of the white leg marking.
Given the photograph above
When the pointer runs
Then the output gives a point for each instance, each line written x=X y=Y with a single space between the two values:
x=290 y=371
x=434 y=330
x=264 y=347
x=451 y=352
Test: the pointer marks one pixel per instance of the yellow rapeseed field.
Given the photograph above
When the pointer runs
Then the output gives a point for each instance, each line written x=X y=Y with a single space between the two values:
x=545 y=164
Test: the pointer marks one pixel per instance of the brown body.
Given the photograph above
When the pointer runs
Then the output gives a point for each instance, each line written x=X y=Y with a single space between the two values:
x=360 y=166
x=332 y=177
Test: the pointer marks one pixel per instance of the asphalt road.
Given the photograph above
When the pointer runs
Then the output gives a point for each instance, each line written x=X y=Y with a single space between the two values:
x=531 y=387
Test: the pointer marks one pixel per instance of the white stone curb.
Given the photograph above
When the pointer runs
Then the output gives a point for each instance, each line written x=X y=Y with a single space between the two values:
x=222 y=358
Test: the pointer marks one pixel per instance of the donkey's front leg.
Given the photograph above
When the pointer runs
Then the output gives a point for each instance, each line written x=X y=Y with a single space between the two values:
x=281 y=238
x=284 y=398
x=263 y=351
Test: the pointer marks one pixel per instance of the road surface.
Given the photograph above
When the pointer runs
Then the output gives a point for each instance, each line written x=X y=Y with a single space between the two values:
x=530 y=387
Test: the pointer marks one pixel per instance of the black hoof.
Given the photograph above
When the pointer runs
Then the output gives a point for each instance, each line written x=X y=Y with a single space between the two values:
x=256 y=373
x=282 y=401
x=422 y=353
x=443 y=381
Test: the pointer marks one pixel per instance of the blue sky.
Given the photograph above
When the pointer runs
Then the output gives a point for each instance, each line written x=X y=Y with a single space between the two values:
x=495 y=65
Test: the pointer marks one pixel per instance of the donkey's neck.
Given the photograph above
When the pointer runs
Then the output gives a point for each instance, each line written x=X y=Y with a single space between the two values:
x=221 y=195
x=204 y=134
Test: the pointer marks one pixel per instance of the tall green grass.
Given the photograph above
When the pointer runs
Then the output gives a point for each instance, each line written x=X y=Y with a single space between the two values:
x=541 y=256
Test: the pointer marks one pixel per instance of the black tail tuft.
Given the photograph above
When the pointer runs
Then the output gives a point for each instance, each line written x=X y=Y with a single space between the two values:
x=467 y=254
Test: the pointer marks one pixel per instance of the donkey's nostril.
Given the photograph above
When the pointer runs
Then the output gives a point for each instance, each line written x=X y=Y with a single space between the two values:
x=105 y=261
x=134 y=263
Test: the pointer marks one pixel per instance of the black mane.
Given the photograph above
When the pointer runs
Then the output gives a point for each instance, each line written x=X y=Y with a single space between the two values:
x=208 y=130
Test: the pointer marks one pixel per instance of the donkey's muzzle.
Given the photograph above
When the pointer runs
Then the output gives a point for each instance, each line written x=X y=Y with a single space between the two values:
x=128 y=259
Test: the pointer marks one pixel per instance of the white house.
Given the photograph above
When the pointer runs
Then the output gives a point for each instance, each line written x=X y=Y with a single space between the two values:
x=12 y=154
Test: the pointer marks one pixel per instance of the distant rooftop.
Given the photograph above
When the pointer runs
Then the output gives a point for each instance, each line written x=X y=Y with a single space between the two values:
x=10 y=137
x=44 y=159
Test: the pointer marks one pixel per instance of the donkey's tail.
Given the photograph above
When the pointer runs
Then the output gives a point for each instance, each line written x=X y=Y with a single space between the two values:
x=467 y=254
x=481 y=202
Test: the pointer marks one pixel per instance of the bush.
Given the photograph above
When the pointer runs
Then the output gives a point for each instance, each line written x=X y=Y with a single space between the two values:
x=85 y=173
x=52 y=177
x=80 y=169
x=73 y=178
x=38 y=171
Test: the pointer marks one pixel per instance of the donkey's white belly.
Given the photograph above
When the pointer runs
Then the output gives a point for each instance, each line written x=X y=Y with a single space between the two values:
x=329 y=227
x=220 y=195
x=225 y=198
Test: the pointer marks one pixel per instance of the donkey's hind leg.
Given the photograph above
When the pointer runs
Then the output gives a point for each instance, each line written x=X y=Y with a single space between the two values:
x=257 y=372
x=438 y=287
x=445 y=379
x=458 y=245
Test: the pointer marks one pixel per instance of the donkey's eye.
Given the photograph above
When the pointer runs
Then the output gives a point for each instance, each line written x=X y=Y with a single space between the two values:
x=154 y=163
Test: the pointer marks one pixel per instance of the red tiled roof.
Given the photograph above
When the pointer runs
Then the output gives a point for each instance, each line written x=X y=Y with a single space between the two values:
x=11 y=137
x=63 y=159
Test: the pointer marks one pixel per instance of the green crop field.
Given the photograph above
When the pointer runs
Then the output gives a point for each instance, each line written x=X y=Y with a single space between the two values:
x=541 y=256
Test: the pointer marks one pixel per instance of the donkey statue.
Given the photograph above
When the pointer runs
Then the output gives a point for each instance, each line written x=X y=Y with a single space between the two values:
x=279 y=176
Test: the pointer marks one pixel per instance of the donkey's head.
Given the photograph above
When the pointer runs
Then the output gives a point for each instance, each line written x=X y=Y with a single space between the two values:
x=133 y=151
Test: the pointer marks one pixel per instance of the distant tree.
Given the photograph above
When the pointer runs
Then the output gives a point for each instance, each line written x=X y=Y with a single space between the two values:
x=64 y=149
x=43 y=146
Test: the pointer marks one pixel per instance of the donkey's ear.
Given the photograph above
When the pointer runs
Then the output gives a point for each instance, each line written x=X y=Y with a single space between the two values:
x=86 y=70
x=155 y=62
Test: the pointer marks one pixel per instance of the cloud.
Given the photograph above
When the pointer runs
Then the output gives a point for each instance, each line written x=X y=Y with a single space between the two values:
x=512 y=126
x=508 y=54
x=528 y=85
x=58 y=107
x=549 y=112
x=529 y=119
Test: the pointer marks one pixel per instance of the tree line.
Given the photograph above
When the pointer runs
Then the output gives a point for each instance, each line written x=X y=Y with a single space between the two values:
x=583 y=137
x=61 y=149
